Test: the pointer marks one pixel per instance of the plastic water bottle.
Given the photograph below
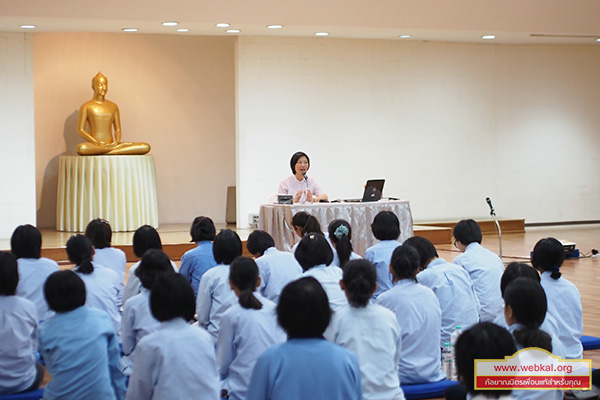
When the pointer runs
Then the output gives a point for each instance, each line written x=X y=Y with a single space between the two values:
x=453 y=339
x=447 y=360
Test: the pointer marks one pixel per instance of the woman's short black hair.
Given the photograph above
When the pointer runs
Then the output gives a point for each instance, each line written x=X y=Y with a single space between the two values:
x=227 y=246
x=360 y=278
x=202 y=229
x=300 y=219
x=303 y=310
x=80 y=252
x=154 y=262
x=9 y=274
x=64 y=291
x=144 y=238
x=26 y=242
x=313 y=250
x=99 y=233
x=295 y=159
x=467 y=231
x=405 y=263
x=548 y=255
x=424 y=247
x=258 y=242
x=516 y=270
x=386 y=226
x=172 y=297
x=487 y=341
x=243 y=274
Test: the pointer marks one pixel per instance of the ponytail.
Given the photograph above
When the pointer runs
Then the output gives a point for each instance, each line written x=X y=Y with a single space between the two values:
x=533 y=336
x=243 y=274
x=548 y=255
x=340 y=234
x=248 y=300
x=555 y=272
x=359 y=280
x=312 y=226
x=80 y=252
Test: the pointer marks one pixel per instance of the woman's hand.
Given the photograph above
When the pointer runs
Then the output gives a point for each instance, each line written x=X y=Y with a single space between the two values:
x=297 y=196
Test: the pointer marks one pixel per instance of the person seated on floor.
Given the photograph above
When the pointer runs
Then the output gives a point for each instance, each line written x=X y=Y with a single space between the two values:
x=26 y=245
x=178 y=360
x=306 y=366
x=419 y=316
x=303 y=223
x=78 y=344
x=370 y=331
x=386 y=229
x=450 y=283
x=18 y=335
x=484 y=267
x=340 y=236
x=195 y=262
x=277 y=268
x=100 y=234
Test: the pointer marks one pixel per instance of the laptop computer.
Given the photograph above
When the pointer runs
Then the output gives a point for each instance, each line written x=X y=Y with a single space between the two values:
x=373 y=191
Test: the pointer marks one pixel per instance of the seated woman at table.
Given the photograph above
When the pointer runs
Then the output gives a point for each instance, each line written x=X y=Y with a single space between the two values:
x=303 y=189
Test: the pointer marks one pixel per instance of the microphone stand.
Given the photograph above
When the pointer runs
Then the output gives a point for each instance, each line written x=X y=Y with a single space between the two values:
x=493 y=214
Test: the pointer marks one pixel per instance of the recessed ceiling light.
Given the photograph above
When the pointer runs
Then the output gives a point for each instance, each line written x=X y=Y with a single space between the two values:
x=183 y=30
x=321 y=34
x=222 y=25
x=28 y=26
x=233 y=31
x=488 y=37
x=170 y=23
x=130 y=30
x=405 y=36
x=274 y=26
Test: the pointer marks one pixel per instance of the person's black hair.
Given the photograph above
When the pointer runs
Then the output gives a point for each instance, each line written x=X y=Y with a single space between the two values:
x=26 y=242
x=300 y=219
x=312 y=226
x=340 y=233
x=295 y=159
x=154 y=262
x=303 y=310
x=202 y=229
x=243 y=274
x=171 y=297
x=486 y=341
x=227 y=246
x=529 y=304
x=405 y=263
x=9 y=274
x=145 y=238
x=80 y=252
x=99 y=233
x=424 y=247
x=64 y=291
x=516 y=270
x=467 y=231
x=360 y=278
x=548 y=255
x=313 y=250
x=258 y=242
x=386 y=226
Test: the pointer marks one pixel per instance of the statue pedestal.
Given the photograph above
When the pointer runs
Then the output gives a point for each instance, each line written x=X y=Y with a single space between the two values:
x=119 y=189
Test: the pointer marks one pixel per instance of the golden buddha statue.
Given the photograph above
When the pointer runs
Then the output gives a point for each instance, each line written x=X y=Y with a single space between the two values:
x=102 y=115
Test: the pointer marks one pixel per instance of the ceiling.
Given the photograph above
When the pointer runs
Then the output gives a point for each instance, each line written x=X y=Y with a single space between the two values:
x=511 y=21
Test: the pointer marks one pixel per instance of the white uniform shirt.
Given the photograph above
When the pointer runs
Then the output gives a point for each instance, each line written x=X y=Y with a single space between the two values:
x=336 y=258
x=380 y=256
x=18 y=344
x=243 y=336
x=112 y=258
x=214 y=298
x=291 y=185
x=373 y=334
x=485 y=269
x=277 y=269
x=329 y=277
x=137 y=321
x=420 y=318
x=32 y=276
x=175 y=362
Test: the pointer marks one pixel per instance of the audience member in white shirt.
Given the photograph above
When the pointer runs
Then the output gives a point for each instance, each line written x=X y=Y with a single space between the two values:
x=386 y=229
x=100 y=234
x=340 y=236
x=298 y=185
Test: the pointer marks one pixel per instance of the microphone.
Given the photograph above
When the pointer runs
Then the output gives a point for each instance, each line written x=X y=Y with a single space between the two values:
x=305 y=176
x=489 y=202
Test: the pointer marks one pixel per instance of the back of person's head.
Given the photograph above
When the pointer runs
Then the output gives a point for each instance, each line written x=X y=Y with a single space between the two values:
x=80 y=252
x=227 y=247
x=467 y=231
x=144 y=238
x=300 y=219
x=303 y=310
x=154 y=262
x=258 y=242
x=313 y=250
x=340 y=234
x=360 y=280
x=294 y=160
x=172 y=297
x=99 y=233
x=405 y=263
x=202 y=229
x=527 y=301
x=548 y=255
x=9 y=274
x=243 y=274
x=26 y=242
x=424 y=247
x=486 y=341
x=64 y=291
x=386 y=226
x=516 y=270
x=312 y=226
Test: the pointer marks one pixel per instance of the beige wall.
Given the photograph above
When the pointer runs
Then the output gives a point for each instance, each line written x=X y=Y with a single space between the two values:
x=175 y=92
